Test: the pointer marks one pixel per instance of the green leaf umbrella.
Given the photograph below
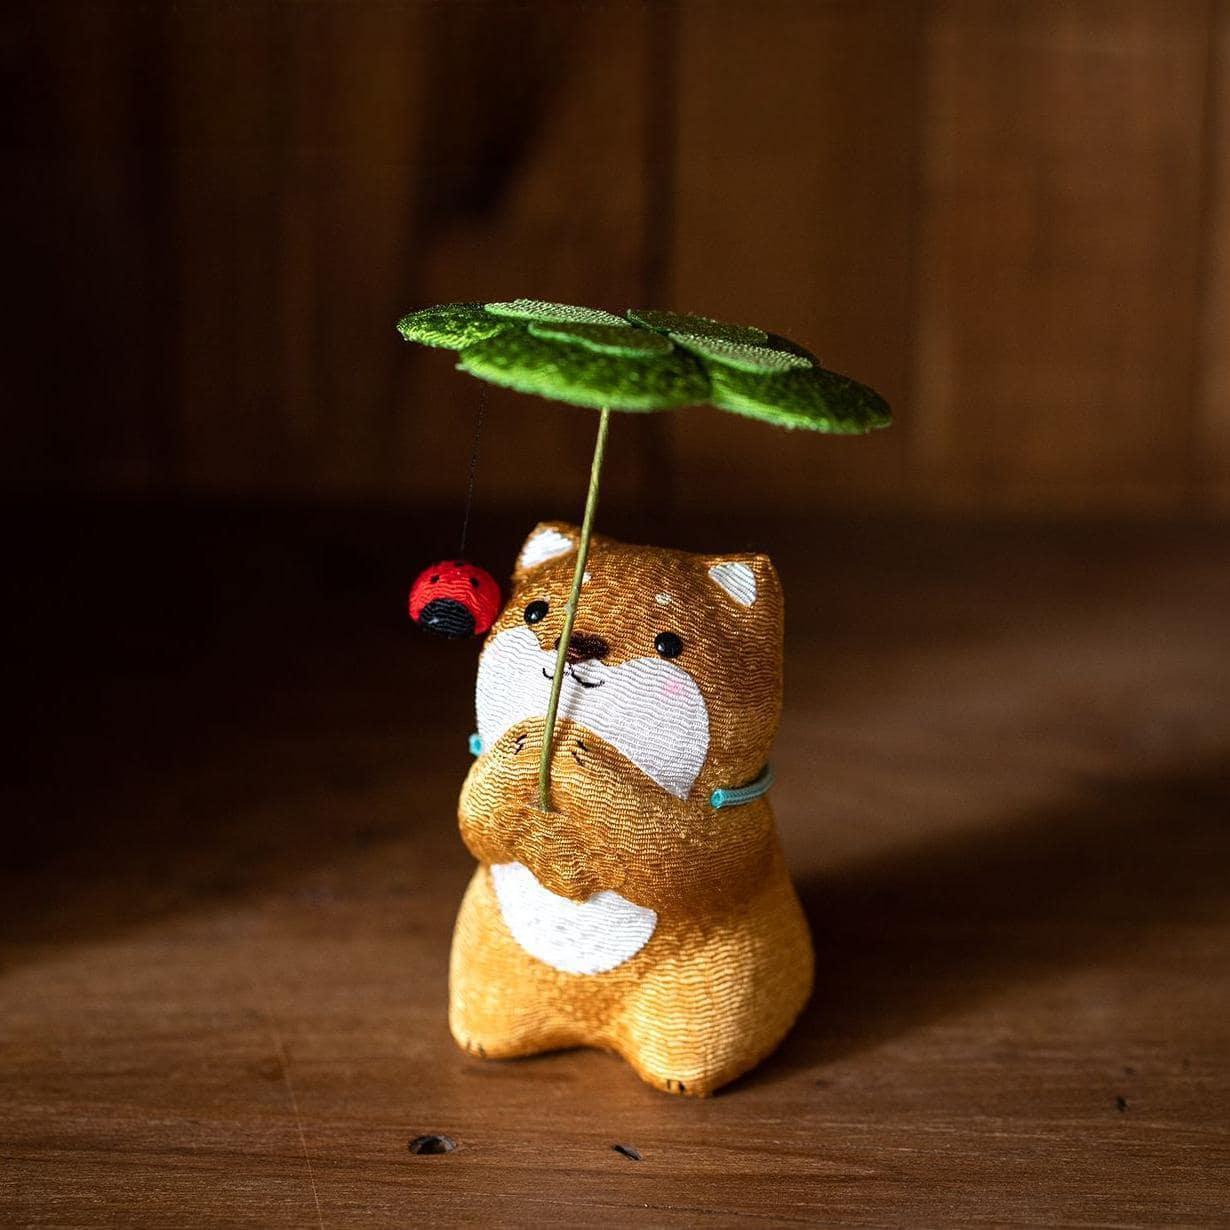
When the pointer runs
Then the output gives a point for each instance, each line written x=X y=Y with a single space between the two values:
x=643 y=361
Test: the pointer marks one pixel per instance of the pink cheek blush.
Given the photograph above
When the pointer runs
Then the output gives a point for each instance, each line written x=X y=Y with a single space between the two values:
x=672 y=687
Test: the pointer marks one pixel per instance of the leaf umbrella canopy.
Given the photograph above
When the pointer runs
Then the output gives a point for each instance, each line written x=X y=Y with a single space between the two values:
x=647 y=360
x=644 y=360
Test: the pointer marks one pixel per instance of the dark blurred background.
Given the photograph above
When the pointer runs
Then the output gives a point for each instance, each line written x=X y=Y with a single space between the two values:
x=1010 y=218
x=222 y=467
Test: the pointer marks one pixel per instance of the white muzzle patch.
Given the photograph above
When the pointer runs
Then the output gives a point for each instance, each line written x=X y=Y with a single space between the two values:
x=576 y=937
x=648 y=709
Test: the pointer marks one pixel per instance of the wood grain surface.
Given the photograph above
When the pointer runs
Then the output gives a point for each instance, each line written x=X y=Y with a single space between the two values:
x=1012 y=218
x=233 y=869
x=1049 y=195
x=1211 y=442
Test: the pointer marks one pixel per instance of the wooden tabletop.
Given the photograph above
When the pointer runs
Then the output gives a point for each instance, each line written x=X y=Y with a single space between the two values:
x=1002 y=789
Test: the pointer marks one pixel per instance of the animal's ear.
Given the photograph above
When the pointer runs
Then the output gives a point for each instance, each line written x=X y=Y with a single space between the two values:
x=548 y=540
x=747 y=580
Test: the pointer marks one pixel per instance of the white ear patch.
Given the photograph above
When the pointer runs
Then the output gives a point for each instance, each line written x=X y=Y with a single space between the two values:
x=544 y=545
x=738 y=580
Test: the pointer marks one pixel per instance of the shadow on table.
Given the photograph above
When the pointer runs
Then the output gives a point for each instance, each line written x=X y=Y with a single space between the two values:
x=239 y=708
x=920 y=932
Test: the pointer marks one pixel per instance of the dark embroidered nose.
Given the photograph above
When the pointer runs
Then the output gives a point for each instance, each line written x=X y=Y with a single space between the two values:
x=582 y=648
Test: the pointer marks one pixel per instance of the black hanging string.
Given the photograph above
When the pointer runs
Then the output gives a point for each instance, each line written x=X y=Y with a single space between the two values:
x=478 y=432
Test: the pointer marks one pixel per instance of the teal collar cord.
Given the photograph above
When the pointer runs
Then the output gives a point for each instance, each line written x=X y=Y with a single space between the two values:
x=724 y=796
x=732 y=796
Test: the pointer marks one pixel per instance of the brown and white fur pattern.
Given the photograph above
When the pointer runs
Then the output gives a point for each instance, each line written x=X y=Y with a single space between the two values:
x=634 y=915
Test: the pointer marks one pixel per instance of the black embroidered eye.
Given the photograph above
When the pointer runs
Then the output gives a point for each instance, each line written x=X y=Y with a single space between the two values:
x=668 y=644
x=536 y=611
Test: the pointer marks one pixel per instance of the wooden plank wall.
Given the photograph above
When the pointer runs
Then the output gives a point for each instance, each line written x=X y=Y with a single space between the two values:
x=1012 y=218
x=1061 y=248
x=1211 y=481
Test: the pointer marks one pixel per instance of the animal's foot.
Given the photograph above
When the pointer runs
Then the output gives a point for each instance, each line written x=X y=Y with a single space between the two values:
x=687 y=1087
x=472 y=1046
x=503 y=1044
x=684 y=1075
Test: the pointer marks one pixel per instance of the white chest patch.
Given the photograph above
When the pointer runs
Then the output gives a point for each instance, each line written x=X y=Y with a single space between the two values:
x=576 y=937
x=649 y=709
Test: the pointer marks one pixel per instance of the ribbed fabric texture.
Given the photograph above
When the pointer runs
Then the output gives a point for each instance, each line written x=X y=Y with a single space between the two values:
x=649 y=360
x=686 y=911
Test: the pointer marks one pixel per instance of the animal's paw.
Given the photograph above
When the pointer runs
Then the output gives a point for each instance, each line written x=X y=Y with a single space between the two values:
x=673 y=1085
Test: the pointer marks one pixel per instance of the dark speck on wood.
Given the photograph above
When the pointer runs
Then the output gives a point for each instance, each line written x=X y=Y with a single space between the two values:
x=628 y=1151
x=429 y=1146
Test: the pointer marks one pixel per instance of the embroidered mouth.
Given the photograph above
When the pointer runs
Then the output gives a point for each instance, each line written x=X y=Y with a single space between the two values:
x=585 y=683
x=656 y=718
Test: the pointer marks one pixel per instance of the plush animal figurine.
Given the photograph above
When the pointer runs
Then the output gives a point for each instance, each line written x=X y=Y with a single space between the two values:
x=649 y=911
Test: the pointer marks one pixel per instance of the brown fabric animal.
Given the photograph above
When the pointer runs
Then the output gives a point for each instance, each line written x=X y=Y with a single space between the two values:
x=636 y=915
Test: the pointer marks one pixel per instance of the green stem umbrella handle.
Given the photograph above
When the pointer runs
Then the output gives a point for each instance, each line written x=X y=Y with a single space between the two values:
x=570 y=613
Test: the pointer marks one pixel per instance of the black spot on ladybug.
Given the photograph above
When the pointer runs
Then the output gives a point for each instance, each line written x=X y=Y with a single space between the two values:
x=435 y=578
x=536 y=611
x=668 y=644
x=474 y=582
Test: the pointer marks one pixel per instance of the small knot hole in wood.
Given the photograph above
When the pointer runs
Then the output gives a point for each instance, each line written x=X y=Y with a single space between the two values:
x=426 y=1146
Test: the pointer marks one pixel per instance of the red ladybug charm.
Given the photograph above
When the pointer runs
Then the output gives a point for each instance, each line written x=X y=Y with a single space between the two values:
x=455 y=599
